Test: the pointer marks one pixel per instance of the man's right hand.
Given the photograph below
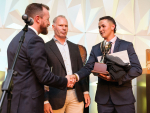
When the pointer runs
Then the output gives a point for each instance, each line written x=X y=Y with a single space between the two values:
x=71 y=80
x=48 y=108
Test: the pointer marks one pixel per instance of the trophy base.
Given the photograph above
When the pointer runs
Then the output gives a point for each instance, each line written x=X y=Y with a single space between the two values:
x=100 y=68
x=98 y=72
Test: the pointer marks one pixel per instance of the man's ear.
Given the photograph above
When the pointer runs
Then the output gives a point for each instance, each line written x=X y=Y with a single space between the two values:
x=53 y=26
x=37 y=19
x=113 y=27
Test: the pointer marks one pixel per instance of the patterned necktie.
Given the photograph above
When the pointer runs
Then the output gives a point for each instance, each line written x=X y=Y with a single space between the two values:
x=110 y=45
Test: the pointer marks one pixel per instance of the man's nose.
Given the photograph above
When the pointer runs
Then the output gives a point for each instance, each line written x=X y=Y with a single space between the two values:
x=64 y=27
x=100 y=29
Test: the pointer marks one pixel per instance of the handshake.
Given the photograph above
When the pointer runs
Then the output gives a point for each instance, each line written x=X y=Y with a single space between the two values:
x=72 y=79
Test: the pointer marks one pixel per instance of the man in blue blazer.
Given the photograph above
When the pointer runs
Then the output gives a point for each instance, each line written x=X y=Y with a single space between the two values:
x=33 y=70
x=112 y=97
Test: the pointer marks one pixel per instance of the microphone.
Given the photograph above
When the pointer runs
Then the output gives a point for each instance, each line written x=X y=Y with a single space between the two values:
x=27 y=20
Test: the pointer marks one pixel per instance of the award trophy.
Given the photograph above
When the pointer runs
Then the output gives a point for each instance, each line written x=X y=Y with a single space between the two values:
x=101 y=67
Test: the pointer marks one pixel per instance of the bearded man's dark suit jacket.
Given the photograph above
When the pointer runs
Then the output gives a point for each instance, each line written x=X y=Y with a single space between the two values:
x=120 y=92
x=33 y=72
x=55 y=96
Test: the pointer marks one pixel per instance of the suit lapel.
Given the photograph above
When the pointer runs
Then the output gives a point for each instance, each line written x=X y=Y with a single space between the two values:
x=99 y=49
x=56 y=51
x=98 y=52
x=117 y=44
x=72 y=55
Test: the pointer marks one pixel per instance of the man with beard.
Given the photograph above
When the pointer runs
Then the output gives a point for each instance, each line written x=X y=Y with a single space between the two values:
x=31 y=65
x=64 y=58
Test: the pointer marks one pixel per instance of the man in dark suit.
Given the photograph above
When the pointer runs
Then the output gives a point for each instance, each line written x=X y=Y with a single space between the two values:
x=112 y=97
x=31 y=65
x=64 y=59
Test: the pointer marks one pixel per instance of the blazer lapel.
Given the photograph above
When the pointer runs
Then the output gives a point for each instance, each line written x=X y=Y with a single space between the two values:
x=56 y=51
x=99 y=49
x=117 y=44
x=72 y=55
x=98 y=52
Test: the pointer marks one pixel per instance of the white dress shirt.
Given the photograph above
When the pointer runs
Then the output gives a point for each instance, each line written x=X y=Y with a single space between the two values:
x=113 y=43
x=64 y=50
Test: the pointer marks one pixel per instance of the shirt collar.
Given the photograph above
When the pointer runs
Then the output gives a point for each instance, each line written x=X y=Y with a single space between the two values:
x=33 y=29
x=59 y=41
x=113 y=40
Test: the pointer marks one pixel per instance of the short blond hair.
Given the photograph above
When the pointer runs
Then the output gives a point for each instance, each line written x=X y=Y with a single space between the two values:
x=55 y=19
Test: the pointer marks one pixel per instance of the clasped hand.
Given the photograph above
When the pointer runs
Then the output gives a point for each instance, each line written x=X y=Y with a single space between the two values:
x=106 y=77
x=71 y=80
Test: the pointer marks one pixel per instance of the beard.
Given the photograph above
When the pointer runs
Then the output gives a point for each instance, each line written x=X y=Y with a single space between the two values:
x=44 y=29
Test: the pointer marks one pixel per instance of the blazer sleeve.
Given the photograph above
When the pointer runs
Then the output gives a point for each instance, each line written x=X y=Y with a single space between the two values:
x=37 y=56
x=84 y=84
x=136 y=69
x=86 y=70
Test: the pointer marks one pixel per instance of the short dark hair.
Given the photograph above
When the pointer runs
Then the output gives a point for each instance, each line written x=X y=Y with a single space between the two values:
x=110 y=19
x=35 y=9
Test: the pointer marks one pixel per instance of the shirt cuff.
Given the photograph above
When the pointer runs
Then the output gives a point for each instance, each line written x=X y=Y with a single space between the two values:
x=77 y=76
x=46 y=102
x=86 y=92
